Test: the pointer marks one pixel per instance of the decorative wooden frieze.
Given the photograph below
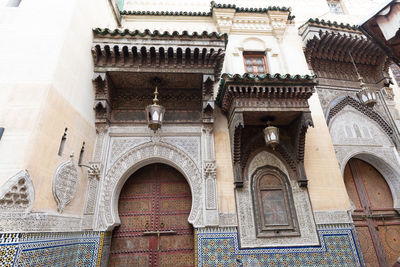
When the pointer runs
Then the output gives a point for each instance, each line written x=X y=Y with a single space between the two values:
x=268 y=91
x=116 y=50
x=248 y=99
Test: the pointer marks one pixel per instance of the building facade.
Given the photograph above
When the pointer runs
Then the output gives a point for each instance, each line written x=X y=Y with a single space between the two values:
x=84 y=180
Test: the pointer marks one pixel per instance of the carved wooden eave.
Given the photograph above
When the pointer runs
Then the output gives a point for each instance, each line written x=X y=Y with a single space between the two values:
x=247 y=99
x=327 y=45
x=124 y=50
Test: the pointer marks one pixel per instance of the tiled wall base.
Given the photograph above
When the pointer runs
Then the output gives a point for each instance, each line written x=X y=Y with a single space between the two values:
x=53 y=249
x=215 y=247
x=220 y=247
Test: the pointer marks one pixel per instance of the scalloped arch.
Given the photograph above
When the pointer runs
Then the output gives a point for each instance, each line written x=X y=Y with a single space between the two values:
x=133 y=160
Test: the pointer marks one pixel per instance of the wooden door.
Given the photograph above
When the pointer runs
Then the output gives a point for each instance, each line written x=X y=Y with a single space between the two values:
x=154 y=205
x=377 y=223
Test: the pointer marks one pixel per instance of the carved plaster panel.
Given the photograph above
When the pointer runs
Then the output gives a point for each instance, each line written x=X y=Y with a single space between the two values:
x=352 y=128
x=332 y=217
x=137 y=157
x=17 y=194
x=326 y=96
x=247 y=228
x=38 y=222
x=65 y=184
x=227 y=219
x=119 y=145
x=189 y=144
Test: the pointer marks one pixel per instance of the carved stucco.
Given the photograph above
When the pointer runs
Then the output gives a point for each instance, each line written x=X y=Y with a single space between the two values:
x=247 y=229
x=38 y=222
x=369 y=143
x=137 y=157
x=17 y=194
x=65 y=184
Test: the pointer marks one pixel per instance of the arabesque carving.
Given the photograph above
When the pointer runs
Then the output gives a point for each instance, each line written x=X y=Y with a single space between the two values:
x=65 y=184
x=136 y=158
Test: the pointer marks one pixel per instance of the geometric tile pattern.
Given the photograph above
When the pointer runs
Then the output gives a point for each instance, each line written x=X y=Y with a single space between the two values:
x=220 y=247
x=7 y=254
x=215 y=247
x=51 y=249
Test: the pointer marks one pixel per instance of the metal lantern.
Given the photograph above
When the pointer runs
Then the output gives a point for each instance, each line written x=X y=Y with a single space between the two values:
x=366 y=95
x=155 y=113
x=271 y=135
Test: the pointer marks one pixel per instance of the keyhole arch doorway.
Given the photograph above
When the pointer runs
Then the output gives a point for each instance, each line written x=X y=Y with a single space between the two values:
x=154 y=206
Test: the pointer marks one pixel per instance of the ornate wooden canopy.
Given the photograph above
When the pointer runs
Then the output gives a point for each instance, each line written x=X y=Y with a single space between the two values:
x=125 y=50
x=125 y=61
x=247 y=99
x=327 y=45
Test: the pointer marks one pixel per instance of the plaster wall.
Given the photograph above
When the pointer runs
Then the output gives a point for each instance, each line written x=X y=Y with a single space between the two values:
x=326 y=186
x=223 y=160
x=45 y=81
x=168 y=23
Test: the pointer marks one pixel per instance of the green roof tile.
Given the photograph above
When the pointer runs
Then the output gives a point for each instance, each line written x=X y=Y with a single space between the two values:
x=333 y=24
x=126 y=32
x=209 y=14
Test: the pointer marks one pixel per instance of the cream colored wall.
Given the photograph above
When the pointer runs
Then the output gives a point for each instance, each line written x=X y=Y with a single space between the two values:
x=45 y=81
x=326 y=185
x=42 y=160
x=223 y=160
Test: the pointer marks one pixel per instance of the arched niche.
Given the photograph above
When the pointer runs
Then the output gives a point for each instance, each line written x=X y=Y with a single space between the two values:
x=357 y=135
x=253 y=44
x=136 y=158
x=386 y=169
x=246 y=215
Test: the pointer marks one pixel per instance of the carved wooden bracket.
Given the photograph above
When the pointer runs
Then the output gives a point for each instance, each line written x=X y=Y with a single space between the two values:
x=102 y=103
x=208 y=98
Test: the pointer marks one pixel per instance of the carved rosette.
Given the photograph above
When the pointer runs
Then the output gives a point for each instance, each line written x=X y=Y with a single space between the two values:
x=65 y=183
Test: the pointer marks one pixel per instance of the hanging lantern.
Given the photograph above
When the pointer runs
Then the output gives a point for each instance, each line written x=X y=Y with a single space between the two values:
x=366 y=95
x=271 y=135
x=155 y=113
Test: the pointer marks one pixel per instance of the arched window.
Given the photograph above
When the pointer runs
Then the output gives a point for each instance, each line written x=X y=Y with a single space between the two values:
x=275 y=214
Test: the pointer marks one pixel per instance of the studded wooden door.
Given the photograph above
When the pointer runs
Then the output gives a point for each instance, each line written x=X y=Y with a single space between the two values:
x=154 y=205
x=377 y=223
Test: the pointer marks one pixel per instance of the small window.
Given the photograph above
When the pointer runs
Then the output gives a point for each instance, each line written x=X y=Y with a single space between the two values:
x=255 y=63
x=335 y=6
x=273 y=204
